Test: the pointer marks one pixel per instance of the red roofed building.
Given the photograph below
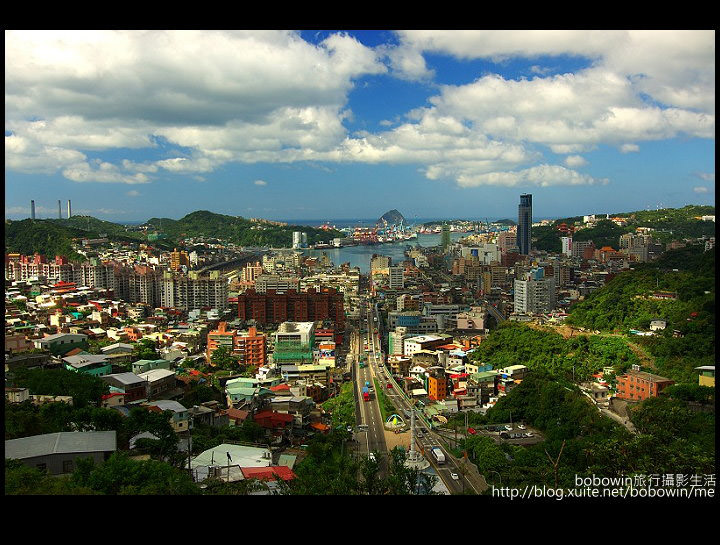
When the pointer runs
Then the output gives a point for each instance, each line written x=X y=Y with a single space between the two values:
x=319 y=426
x=273 y=420
x=114 y=399
x=268 y=473
x=280 y=389
x=237 y=416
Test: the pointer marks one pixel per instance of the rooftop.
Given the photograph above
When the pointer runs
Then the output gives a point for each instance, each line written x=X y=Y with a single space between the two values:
x=61 y=442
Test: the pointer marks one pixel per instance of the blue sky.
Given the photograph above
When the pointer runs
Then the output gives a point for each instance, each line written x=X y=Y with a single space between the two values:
x=328 y=124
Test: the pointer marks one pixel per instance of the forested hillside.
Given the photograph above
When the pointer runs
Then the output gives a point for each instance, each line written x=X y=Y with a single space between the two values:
x=626 y=302
x=668 y=224
x=237 y=230
x=515 y=343
x=52 y=237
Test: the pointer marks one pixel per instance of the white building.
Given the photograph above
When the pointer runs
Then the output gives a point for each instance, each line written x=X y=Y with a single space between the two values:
x=397 y=277
x=534 y=296
x=276 y=282
x=415 y=344
x=192 y=291
x=486 y=253
x=301 y=332
x=567 y=246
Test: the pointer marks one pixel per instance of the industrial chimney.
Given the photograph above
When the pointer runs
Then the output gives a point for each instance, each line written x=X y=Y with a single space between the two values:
x=59 y=210
x=69 y=209
x=32 y=210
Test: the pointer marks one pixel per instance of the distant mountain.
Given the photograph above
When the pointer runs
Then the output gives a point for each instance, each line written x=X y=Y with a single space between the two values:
x=51 y=237
x=393 y=217
x=236 y=229
x=54 y=237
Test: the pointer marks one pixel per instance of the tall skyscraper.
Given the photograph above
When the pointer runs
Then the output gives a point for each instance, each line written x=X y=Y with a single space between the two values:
x=445 y=236
x=69 y=209
x=59 y=210
x=32 y=210
x=524 y=224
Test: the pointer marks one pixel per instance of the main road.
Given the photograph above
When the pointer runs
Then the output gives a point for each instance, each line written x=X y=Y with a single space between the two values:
x=371 y=430
x=457 y=476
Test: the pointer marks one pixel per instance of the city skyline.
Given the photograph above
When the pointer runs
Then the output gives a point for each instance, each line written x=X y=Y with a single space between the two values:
x=329 y=124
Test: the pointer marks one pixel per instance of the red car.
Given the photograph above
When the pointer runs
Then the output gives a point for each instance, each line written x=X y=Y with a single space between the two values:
x=389 y=385
x=471 y=431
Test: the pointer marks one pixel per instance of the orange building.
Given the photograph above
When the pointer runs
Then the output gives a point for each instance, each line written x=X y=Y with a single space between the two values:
x=251 y=348
x=178 y=259
x=437 y=387
x=639 y=385
x=219 y=337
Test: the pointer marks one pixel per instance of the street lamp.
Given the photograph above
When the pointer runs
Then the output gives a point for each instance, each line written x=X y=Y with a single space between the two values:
x=498 y=474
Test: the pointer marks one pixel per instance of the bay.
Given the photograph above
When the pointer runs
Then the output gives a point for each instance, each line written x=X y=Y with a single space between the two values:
x=360 y=256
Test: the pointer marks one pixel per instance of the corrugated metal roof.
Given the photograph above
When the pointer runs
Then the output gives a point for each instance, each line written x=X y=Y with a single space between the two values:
x=126 y=378
x=61 y=442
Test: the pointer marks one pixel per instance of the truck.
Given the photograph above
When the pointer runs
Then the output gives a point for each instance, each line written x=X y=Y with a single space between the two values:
x=365 y=393
x=438 y=455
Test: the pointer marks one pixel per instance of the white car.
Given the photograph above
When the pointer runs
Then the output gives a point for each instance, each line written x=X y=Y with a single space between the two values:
x=372 y=457
x=454 y=476
x=508 y=427
x=521 y=427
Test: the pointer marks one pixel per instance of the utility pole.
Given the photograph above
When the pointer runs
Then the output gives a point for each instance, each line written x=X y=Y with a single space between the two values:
x=556 y=463
x=189 y=446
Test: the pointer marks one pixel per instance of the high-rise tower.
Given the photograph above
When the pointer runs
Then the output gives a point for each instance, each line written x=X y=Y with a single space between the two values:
x=59 y=210
x=69 y=209
x=445 y=236
x=32 y=210
x=524 y=224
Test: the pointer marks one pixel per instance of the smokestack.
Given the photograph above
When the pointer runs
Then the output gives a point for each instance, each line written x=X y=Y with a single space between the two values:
x=32 y=210
x=69 y=209
x=59 y=210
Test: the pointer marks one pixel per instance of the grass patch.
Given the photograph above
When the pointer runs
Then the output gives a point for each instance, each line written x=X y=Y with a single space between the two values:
x=386 y=406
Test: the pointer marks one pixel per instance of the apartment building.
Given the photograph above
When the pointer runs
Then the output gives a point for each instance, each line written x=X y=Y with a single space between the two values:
x=276 y=282
x=179 y=259
x=397 y=277
x=534 y=295
x=194 y=291
x=312 y=305
x=638 y=385
x=251 y=347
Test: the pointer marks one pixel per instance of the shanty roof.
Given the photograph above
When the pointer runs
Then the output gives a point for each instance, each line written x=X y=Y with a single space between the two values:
x=60 y=443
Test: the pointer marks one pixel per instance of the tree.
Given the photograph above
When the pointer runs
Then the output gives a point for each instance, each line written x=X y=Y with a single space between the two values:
x=22 y=480
x=223 y=358
x=119 y=475
x=85 y=389
x=145 y=349
x=370 y=468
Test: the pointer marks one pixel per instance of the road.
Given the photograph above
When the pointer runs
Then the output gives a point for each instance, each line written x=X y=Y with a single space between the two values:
x=367 y=413
x=467 y=479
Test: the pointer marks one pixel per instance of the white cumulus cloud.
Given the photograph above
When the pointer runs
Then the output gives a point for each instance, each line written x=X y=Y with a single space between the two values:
x=202 y=99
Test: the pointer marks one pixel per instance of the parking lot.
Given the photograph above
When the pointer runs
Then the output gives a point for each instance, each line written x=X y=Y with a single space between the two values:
x=515 y=434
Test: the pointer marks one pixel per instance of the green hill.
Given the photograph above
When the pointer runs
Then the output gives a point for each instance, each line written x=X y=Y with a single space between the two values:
x=669 y=224
x=54 y=236
x=625 y=303
x=45 y=237
x=236 y=229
